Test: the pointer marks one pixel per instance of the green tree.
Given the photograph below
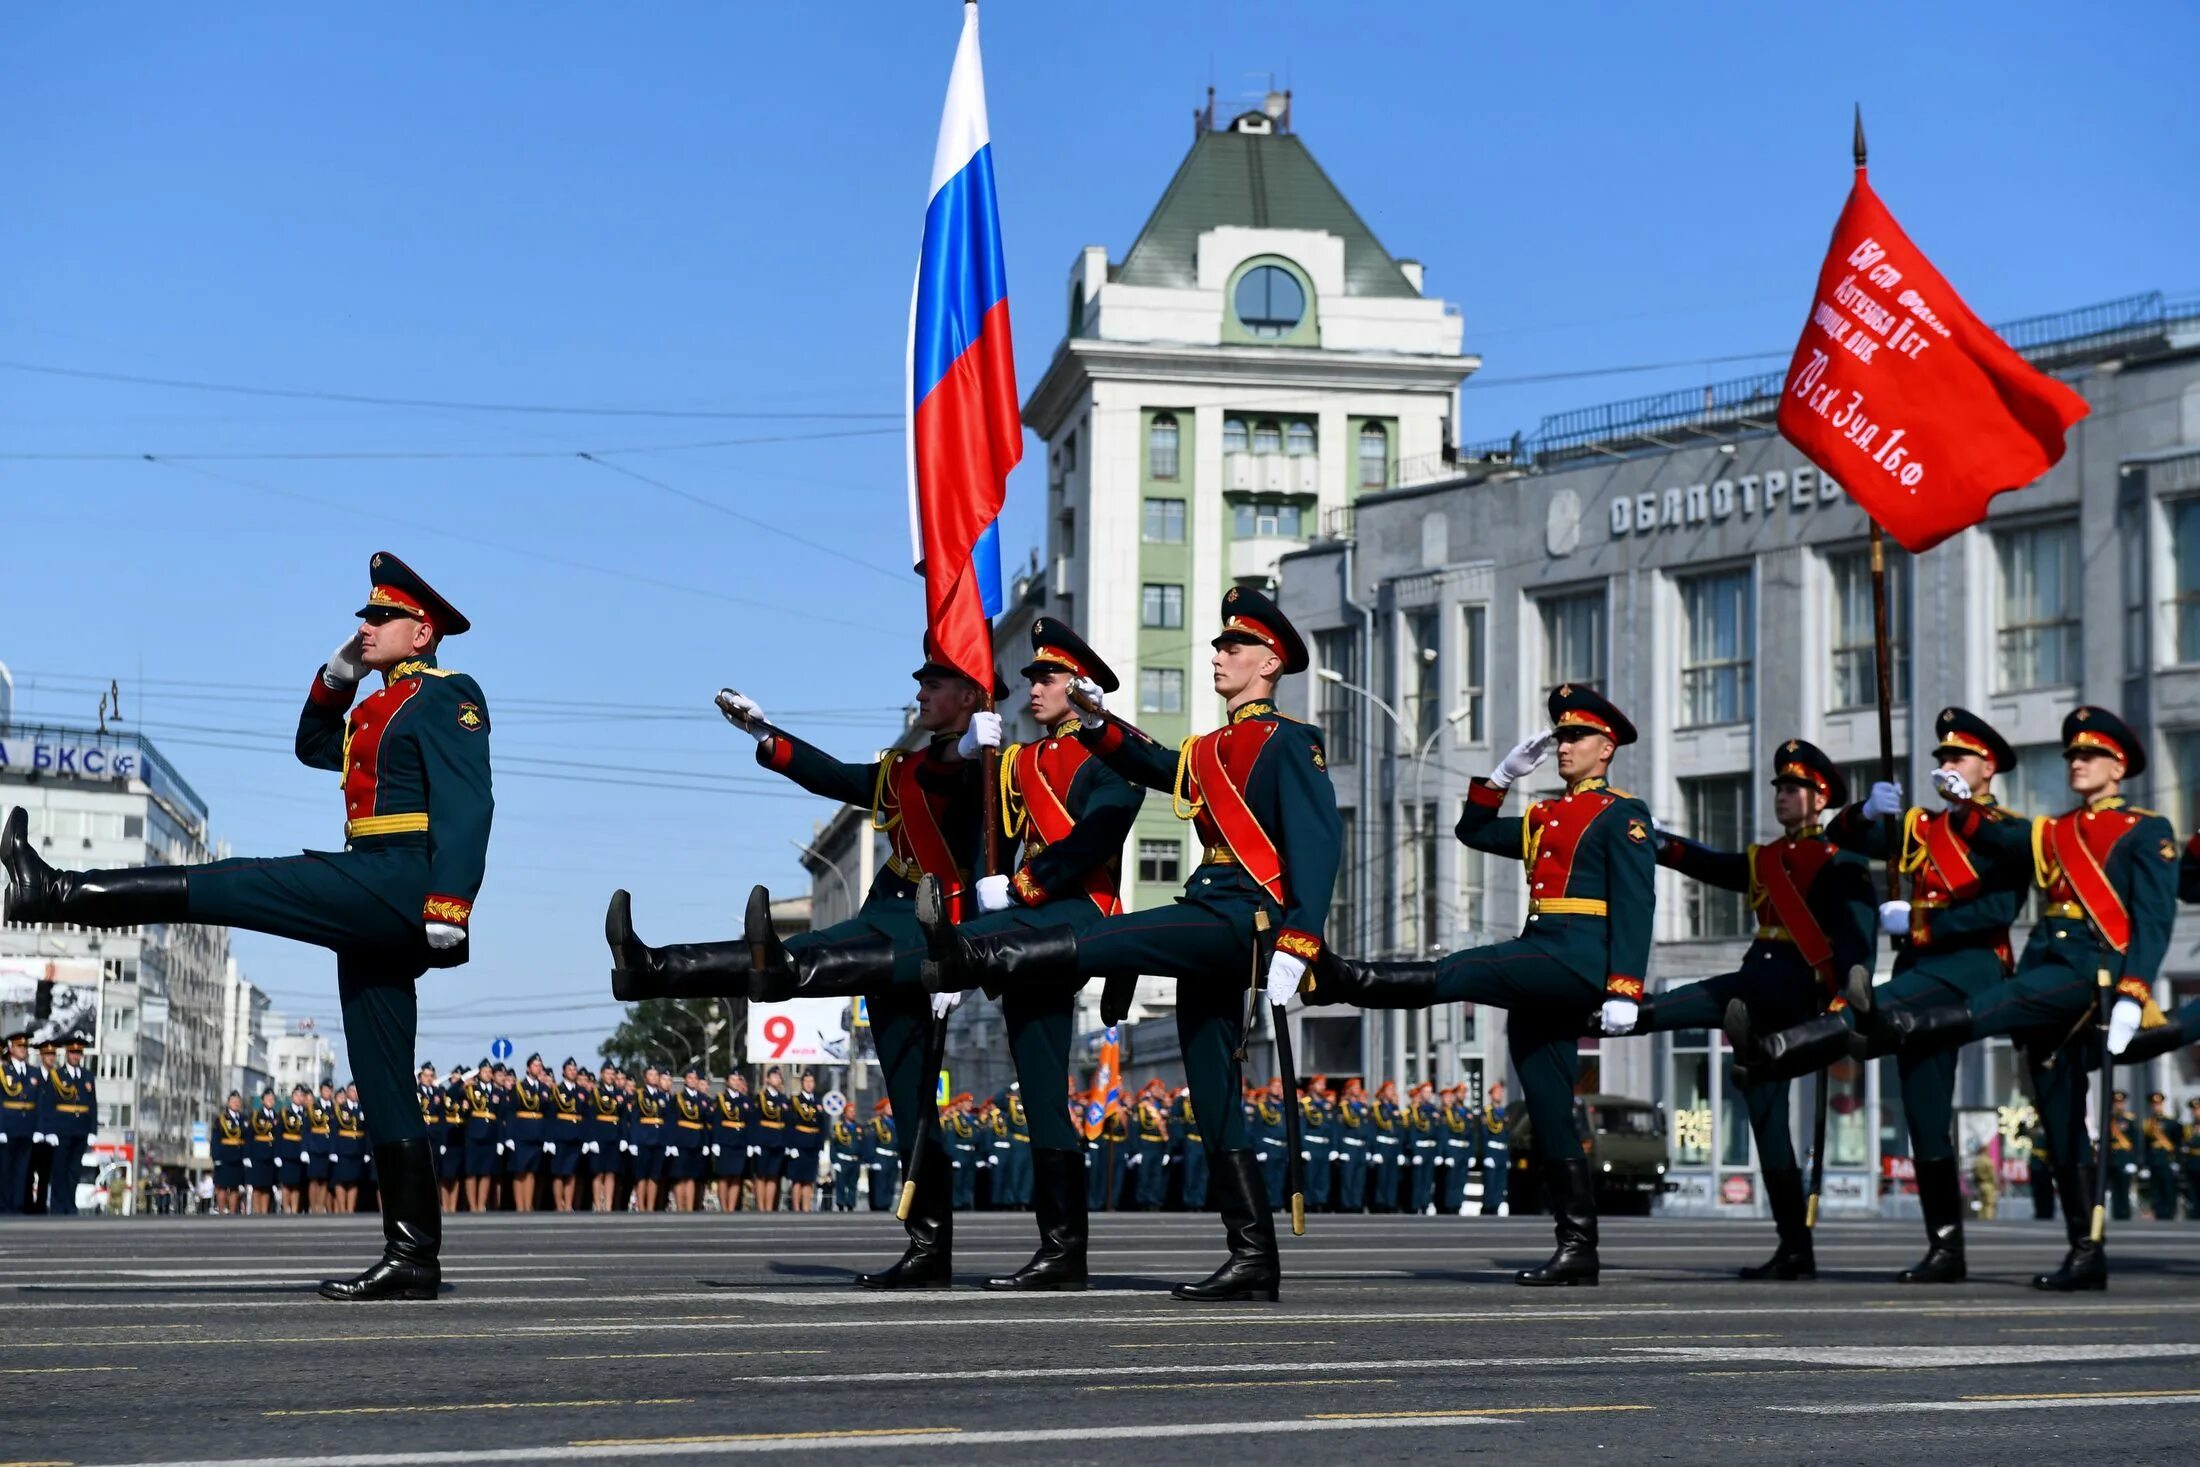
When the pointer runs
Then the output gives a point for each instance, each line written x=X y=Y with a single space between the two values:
x=673 y=1033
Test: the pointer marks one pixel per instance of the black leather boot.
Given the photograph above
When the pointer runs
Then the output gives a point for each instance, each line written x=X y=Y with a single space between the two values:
x=825 y=970
x=1398 y=985
x=412 y=1229
x=125 y=897
x=959 y=961
x=1784 y=1054
x=683 y=970
x=1058 y=1200
x=1939 y=1026
x=1794 y=1258
x=1574 y=1214
x=2166 y=1038
x=1240 y=1194
x=1940 y=1197
x=2085 y=1267
x=928 y=1263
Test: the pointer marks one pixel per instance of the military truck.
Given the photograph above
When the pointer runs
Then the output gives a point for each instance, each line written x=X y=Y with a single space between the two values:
x=1624 y=1140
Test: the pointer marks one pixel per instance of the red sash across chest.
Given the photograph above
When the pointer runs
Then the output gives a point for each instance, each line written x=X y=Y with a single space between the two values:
x=363 y=744
x=1781 y=874
x=1942 y=868
x=2078 y=845
x=1220 y=765
x=917 y=832
x=1043 y=773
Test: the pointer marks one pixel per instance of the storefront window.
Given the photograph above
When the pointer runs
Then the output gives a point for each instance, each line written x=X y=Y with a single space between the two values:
x=1688 y=1107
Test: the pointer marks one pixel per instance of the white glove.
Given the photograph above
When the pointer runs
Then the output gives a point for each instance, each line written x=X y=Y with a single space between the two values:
x=442 y=936
x=1284 y=972
x=549 y=1148
x=2123 y=1023
x=1885 y=799
x=984 y=732
x=344 y=669
x=1619 y=1015
x=993 y=894
x=742 y=712
x=1953 y=787
x=1894 y=918
x=1088 y=690
x=943 y=1004
x=1524 y=759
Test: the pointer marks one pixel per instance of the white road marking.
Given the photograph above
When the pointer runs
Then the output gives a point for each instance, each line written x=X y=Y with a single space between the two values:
x=1885 y=1408
x=1916 y=1357
x=1098 y=1435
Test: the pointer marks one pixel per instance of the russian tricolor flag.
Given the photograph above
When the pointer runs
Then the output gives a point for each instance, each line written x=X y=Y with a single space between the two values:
x=964 y=430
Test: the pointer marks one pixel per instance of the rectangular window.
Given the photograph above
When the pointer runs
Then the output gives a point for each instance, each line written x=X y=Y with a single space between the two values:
x=1336 y=652
x=1161 y=606
x=1855 y=660
x=1161 y=860
x=1573 y=640
x=1718 y=815
x=1344 y=920
x=1161 y=690
x=2037 y=631
x=1716 y=659
x=1422 y=675
x=1248 y=519
x=1164 y=522
x=2184 y=587
x=1473 y=914
x=2183 y=803
x=2131 y=548
x=1161 y=447
x=1474 y=672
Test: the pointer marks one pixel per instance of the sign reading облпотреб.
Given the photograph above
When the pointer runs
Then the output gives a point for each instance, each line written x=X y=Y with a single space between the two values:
x=69 y=760
x=1797 y=489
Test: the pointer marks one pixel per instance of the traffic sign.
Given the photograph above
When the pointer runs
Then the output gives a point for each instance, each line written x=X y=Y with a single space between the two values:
x=500 y=1049
x=835 y=1103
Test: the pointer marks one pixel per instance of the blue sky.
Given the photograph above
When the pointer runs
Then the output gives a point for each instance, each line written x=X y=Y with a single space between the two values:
x=713 y=208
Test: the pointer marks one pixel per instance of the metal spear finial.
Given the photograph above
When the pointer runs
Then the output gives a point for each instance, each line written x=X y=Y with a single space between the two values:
x=1859 y=145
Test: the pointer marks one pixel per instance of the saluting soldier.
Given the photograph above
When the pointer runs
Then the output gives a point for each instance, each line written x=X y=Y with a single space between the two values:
x=229 y=1131
x=928 y=804
x=349 y=1151
x=1590 y=867
x=1356 y=1139
x=398 y=900
x=2109 y=872
x=1951 y=944
x=75 y=1106
x=1814 y=911
x=1070 y=812
x=730 y=1145
x=1258 y=793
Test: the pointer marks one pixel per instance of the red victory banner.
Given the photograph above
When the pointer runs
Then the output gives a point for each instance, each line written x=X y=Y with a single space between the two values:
x=1904 y=396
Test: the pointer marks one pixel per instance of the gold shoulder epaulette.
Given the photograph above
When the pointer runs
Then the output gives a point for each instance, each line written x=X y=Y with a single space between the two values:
x=1617 y=793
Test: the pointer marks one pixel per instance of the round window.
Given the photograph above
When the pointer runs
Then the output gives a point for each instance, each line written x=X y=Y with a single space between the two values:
x=1270 y=301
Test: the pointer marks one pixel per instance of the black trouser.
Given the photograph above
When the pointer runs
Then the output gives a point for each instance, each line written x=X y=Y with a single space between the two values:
x=1778 y=994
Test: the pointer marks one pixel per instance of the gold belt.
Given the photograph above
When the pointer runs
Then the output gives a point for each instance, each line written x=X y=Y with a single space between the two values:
x=908 y=870
x=2064 y=909
x=1568 y=907
x=1218 y=856
x=386 y=825
x=1774 y=934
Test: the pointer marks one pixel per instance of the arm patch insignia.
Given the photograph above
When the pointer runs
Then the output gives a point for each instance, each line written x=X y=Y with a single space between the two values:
x=470 y=719
x=1638 y=831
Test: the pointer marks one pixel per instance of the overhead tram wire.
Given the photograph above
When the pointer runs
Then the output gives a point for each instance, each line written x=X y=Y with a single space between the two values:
x=348 y=455
x=731 y=513
x=365 y=399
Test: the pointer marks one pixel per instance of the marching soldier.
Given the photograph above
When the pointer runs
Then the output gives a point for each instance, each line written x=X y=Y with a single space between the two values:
x=1071 y=812
x=229 y=1131
x=562 y=1134
x=350 y=1152
x=1590 y=868
x=606 y=1139
x=1458 y=1151
x=1813 y=904
x=1184 y=1134
x=884 y=1158
x=75 y=1100
x=2109 y=871
x=1355 y=1138
x=769 y=1163
x=395 y=902
x=1496 y=1153
x=928 y=804
x=263 y=1176
x=1259 y=795
x=1951 y=939
x=730 y=1140
x=1386 y=1158
x=2164 y=1137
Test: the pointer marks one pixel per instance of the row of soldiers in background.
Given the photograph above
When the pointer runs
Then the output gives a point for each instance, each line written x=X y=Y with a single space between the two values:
x=49 y=1109
x=1361 y=1155
x=2155 y=1156
x=310 y=1155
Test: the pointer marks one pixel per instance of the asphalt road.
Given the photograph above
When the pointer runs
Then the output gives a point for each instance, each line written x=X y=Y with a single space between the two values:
x=681 y=1338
